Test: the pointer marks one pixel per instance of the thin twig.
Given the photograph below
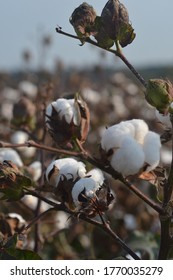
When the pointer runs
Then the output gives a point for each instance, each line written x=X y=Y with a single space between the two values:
x=115 y=52
x=34 y=220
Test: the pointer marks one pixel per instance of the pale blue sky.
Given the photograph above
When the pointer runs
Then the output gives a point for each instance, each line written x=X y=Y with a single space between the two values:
x=21 y=21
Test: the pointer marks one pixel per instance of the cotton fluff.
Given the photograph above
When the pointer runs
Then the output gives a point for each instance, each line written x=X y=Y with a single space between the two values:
x=129 y=158
x=114 y=135
x=133 y=146
x=87 y=186
x=141 y=129
x=164 y=119
x=65 y=108
x=12 y=155
x=65 y=167
x=151 y=149
x=20 y=137
x=97 y=175
x=36 y=170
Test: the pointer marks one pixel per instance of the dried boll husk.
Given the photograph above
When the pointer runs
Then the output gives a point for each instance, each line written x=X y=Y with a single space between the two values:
x=115 y=19
x=101 y=35
x=83 y=19
x=24 y=113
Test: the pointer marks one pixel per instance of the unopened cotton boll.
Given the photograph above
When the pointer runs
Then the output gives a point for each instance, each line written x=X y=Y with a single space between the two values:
x=66 y=167
x=128 y=159
x=12 y=155
x=151 y=147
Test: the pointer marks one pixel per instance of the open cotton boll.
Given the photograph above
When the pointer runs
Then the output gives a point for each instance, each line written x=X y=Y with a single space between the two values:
x=97 y=175
x=141 y=129
x=20 y=137
x=86 y=187
x=18 y=217
x=114 y=135
x=164 y=119
x=28 y=88
x=10 y=154
x=129 y=159
x=64 y=108
x=32 y=201
x=151 y=148
x=68 y=167
x=36 y=170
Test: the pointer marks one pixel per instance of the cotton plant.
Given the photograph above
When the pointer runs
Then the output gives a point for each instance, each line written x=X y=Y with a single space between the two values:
x=72 y=179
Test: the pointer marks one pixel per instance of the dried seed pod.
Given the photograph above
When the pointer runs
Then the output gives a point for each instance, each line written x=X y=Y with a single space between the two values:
x=101 y=35
x=83 y=19
x=115 y=20
x=24 y=112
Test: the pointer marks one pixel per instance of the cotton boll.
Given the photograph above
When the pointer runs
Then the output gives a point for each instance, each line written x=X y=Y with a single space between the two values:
x=32 y=201
x=166 y=155
x=97 y=175
x=20 y=137
x=6 y=110
x=28 y=88
x=85 y=186
x=64 y=107
x=18 y=217
x=68 y=167
x=129 y=159
x=114 y=135
x=36 y=170
x=141 y=129
x=151 y=148
x=91 y=96
x=62 y=220
x=10 y=154
x=164 y=119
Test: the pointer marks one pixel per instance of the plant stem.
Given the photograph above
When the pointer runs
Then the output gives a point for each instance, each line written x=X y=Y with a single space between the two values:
x=104 y=225
x=168 y=188
x=165 y=239
x=115 y=52
x=165 y=220
x=38 y=217
x=145 y=198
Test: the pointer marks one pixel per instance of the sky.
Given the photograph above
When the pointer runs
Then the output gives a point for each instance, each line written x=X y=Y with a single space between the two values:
x=23 y=23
